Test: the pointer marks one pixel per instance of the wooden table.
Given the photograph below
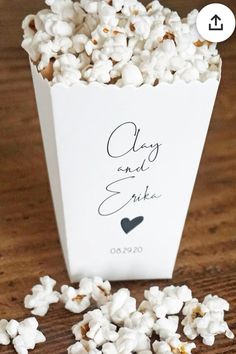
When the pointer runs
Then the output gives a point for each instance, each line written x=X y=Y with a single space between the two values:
x=29 y=245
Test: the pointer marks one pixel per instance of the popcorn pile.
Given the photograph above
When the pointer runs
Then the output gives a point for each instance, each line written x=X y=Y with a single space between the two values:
x=119 y=42
x=117 y=326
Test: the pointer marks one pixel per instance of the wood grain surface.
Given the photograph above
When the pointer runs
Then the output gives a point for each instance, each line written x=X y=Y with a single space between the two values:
x=29 y=245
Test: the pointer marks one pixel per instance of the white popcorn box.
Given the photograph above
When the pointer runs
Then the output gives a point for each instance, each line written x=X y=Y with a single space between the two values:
x=122 y=164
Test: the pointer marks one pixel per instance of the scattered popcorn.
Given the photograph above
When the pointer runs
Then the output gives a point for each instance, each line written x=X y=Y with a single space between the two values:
x=28 y=336
x=116 y=326
x=119 y=42
x=78 y=300
x=173 y=345
x=4 y=336
x=167 y=302
x=206 y=319
x=95 y=326
x=42 y=296
x=120 y=306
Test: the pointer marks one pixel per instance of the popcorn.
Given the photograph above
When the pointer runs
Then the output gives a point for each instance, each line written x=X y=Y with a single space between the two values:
x=28 y=26
x=101 y=291
x=129 y=341
x=90 y=6
x=167 y=302
x=139 y=26
x=83 y=347
x=12 y=328
x=4 y=336
x=173 y=345
x=118 y=42
x=78 y=300
x=63 y=8
x=116 y=327
x=190 y=74
x=133 y=7
x=140 y=322
x=183 y=293
x=166 y=327
x=79 y=41
x=99 y=72
x=131 y=75
x=215 y=303
x=107 y=14
x=206 y=319
x=66 y=69
x=42 y=296
x=96 y=327
x=73 y=299
x=119 y=307
x=28 y=336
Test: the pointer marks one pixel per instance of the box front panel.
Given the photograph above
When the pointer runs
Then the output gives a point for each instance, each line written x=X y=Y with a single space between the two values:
x=128 y=159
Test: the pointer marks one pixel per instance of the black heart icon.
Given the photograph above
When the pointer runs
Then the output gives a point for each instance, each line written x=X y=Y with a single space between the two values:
x=128 y=225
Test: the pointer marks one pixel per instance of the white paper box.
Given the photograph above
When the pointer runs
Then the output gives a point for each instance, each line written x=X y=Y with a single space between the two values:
x=105 y=146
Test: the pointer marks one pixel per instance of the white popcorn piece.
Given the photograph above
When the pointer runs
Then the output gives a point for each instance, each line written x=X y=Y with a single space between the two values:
x=28 y=26
x=133 y=7
x=101 y=291
x=79 y=40
x=83 y=347
x=63 y=8
x=161 y=303
x=42 y=296
x=4 y=335
x=90 y=6
x=99 y=72
x=215 y=303
x=192 y=310
x=85 y=286
x=139 y=26
x=129 y=341
x=12 y=328
x=119 y=307
x=78 y=300
x=67 y=69
x=191 y=74
x=31 y=45
x=141 y=322
x=96 y=327
x=206 y=319
x=107 y=14
x=116 y=48
x=131 y=75
x=183 y=293
x=28 y=336
x=173 y=345
x=73 y=300
x=166 y=327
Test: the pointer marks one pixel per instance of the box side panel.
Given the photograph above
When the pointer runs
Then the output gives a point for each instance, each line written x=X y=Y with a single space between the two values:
x=128 y=159
x=45 y=111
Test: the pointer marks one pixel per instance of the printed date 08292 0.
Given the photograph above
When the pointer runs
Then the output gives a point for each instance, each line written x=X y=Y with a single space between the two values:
x=126 y=250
